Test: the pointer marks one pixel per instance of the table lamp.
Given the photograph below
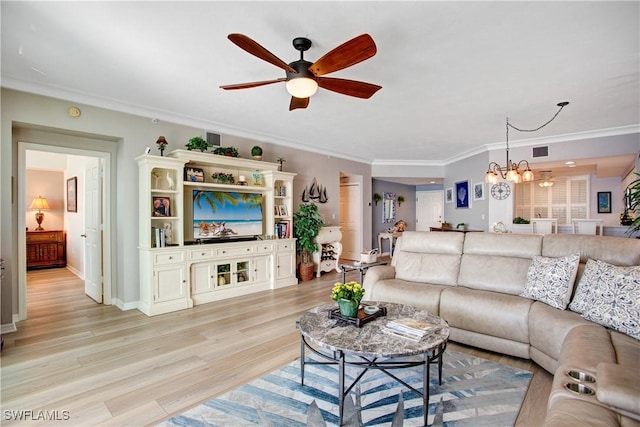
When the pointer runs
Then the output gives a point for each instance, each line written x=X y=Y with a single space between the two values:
x=39 y=203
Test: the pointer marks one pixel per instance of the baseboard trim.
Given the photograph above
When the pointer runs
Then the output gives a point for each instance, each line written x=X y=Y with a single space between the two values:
x=8 y=328
x=125 y=306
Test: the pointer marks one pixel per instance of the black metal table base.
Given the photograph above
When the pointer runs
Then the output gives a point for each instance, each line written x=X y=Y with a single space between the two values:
x=339 y=358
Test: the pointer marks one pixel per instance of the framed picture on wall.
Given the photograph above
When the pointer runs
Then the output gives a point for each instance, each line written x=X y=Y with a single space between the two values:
x=448 y=195
x=72 y=194
x=604 y=201
x=478 y=191
x=462 y=195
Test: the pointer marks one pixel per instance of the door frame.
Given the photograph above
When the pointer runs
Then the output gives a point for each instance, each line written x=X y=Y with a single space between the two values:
x=106 y=212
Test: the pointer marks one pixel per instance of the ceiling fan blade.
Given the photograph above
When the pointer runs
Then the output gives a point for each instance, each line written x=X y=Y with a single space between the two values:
x=252 y=84
x=347 y=54
x=348 y=87
x=251 y=46
x=298 y=103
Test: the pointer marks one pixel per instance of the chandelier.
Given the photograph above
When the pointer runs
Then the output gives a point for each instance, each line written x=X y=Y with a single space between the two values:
x=511 y=172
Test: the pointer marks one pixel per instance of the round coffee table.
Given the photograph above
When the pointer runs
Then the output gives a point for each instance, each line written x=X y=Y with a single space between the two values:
x=369 y=347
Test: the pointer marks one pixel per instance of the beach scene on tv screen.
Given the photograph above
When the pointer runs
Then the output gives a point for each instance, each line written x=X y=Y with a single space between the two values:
x=223 y=214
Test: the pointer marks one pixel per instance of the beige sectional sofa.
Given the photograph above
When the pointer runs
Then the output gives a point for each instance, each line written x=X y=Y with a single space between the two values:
x=474 y=281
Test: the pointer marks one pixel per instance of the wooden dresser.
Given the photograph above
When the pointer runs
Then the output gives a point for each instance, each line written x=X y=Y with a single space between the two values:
x=46 y=249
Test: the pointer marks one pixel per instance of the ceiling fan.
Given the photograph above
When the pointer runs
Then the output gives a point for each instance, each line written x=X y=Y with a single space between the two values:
x=303 y=77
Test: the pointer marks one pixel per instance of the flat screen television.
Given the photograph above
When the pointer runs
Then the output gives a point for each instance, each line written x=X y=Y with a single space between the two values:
x=225 y=215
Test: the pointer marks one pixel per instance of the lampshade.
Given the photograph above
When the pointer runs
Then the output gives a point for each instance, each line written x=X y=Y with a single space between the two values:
x=513 y=175
x=40 y=203
x=527 y=175
x=302 y=87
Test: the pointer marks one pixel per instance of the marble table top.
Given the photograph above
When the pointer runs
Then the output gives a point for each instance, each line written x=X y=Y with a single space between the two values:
x=370 y=340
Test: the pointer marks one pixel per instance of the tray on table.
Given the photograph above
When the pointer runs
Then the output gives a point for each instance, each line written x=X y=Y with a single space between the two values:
x=362 y=317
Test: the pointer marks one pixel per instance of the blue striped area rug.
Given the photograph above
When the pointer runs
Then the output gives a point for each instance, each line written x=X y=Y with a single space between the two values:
x=474 y=392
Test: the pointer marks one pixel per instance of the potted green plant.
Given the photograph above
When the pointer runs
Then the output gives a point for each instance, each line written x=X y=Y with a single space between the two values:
x=198 y=143
x=306 y=225
x=256 y=152
x=226 y=151
x=520 y=220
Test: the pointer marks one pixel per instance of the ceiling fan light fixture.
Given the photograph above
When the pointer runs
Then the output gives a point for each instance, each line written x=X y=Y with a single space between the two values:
x=546 y=184
x=302 y=87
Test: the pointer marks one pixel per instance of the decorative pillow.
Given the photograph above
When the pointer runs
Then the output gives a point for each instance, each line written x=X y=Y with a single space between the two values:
x=550 y=280
x=587 y=283
x=615 y=301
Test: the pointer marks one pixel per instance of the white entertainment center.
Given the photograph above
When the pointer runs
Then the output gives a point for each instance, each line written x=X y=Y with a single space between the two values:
x=178 y=269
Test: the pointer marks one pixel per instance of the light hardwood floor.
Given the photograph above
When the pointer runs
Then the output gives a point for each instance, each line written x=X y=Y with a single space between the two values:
x=109 y=367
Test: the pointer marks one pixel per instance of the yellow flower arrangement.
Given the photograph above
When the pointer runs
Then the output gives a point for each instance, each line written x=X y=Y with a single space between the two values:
x=352 y=291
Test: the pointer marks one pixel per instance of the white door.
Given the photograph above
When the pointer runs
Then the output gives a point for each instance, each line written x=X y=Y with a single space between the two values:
x=429 y=208
x=350 y=205
x=93 y=230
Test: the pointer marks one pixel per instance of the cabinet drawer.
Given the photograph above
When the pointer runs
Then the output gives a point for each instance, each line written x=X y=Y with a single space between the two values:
x=264 y=248
x=281 y=247
x=42 y=236
x=327 y=265
x=168 y=258
x=235 y=251
x=201 y=254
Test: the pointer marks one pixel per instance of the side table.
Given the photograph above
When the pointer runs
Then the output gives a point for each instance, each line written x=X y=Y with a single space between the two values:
x=361 y=267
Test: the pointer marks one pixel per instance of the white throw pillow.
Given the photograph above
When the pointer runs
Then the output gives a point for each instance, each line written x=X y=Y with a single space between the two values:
x=587 y=283
x=550 y=280
x=615 y=300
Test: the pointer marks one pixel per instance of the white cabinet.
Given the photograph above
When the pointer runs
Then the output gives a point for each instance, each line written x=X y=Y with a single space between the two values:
x=329 y=249
x=163 y=281
x=175 y=276
x=286 y=263
x=217 y=271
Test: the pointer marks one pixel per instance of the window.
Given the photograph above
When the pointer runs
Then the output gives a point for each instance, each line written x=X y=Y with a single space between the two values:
x=566 y=200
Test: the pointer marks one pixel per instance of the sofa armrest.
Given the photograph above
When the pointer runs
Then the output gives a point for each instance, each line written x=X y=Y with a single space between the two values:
x=618 y=387
x=377 y=273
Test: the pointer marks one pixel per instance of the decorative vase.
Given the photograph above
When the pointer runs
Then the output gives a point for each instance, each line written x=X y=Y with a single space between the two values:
x=221 y=281
x=348 y=308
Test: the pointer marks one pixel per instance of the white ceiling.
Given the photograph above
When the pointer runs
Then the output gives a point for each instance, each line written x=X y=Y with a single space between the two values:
x=451 y=72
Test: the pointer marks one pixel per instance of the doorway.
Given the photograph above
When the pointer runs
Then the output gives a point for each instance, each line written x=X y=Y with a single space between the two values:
x=351 y=219
x=429 y=208
x=76 y=226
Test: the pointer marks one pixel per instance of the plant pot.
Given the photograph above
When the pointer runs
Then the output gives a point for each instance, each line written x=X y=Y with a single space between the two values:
x=305 y=271
x=257 y=157
x=348 y=308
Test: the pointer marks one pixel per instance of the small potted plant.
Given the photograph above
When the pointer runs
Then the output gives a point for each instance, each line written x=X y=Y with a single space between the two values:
x=223 y=178
x=306 y=225
x=226 y=151
x=256 y=152
x=348 y=296
x=198 y=143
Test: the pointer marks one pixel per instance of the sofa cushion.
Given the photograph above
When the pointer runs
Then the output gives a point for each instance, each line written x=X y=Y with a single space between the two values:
x=489 y=313
x=428 y=257
x=487 y=256
x=548 y=328
x=550 y=280
x=615 y=300
x=627 y=350
x=612 y=250
x=575 y=412
x=425 y=296
x=618 y=387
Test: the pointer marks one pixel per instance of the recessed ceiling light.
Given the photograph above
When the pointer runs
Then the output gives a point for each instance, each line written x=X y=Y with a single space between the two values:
x=570 y=162
x=432 y=182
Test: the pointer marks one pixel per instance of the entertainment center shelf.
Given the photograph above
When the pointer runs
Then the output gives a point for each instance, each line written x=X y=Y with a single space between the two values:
x=188 y=247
